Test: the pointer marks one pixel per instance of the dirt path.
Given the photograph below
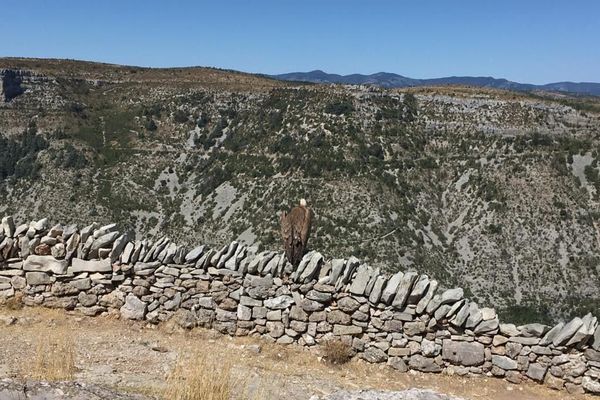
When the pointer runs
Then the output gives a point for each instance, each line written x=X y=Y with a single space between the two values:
x=137 y=358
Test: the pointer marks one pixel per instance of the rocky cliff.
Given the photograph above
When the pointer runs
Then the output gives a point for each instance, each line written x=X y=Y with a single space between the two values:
x=493 y=191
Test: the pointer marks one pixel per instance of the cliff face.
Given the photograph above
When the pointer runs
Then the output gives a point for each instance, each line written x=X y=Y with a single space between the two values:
x=492 y=191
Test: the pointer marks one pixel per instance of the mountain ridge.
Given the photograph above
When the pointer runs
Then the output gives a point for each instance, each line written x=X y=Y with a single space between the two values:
x=392 y=80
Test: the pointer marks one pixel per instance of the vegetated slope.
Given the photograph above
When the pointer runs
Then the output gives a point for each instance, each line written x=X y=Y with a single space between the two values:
x=391 y=80
x=490 y=190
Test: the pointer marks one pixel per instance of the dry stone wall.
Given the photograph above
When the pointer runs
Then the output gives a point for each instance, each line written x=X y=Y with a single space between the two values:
x=403 y=320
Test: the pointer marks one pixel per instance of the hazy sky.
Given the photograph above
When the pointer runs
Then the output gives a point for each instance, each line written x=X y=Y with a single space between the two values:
x=525 y=41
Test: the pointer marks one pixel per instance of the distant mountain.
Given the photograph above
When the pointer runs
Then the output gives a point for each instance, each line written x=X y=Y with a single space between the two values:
x=391 y=80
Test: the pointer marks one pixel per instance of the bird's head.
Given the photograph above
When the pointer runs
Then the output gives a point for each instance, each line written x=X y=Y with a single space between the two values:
x=302 y=203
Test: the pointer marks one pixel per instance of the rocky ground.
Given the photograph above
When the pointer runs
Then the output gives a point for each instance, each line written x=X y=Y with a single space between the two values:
x=117 y=358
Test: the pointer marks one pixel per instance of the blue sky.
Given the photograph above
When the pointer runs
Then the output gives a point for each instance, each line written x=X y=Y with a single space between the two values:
x=526 y=41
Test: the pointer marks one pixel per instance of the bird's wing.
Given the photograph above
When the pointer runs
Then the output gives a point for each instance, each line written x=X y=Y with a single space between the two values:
x=306 y=224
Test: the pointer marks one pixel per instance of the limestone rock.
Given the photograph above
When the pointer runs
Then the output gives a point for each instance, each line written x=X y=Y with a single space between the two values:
x=79 y=265
x=404 y=289
x=45 y=264
x=463 y=353
x=392 y=287
x=133 y=308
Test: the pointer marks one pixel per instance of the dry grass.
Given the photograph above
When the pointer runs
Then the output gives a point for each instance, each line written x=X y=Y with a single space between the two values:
x=210 y=375
x=337 y=352
x=54 y=358
x=15 y=302
x=199 y=377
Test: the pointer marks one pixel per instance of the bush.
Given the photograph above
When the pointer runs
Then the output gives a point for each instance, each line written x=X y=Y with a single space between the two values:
x=337 y=352
x=339 y=108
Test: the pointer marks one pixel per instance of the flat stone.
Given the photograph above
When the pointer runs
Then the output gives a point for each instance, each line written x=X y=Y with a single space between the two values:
x=567 y=331
x=533 y=330
x=312 y=268
x=423 y=364
x=392 y=287
x=377 y=290
x=38 y=278
x=45 y=264
x=503 y=362
x=419 y=289
x=374 y=355
x=359 y=284
x=424 y=302
x=79 y=265
x=340 y=330
x=463 y=353
x=551 y=334
x=280 y=302
x=404 y=289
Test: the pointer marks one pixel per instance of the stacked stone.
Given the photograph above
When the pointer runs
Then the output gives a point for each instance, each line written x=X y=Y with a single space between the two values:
x=404 y=320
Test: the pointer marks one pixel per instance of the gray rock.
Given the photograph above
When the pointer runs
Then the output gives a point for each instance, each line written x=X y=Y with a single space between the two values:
x=279 y=303
x=377 y=290
x=103 y=242
x=590 y=385
x=398 y=364
x=363 y=275
x=392 y=287
x=8 y=226
x=503 y=362
x=567 y=332
x=585 y=332
x=133 y=308
x=596 y=340
x=58 y=251
x=118 y=247
x=419 y=289
x=45 y=264
x=38 y=278
x=551 y=334
x=533 y=330
x=509 y=330
x=40 y=225
x=404 y=289
x=487 y=326
x=475 y=316
x=423 y=364
x=79 y=265
x=414 y=328
x=194 y=254
x=460 y=318
x=374 y=355
x=537 y=371
x=312 y=268
x=424 y=302
x=463 y=353
x=337 y=266
x=348 y=304
x=340 y=330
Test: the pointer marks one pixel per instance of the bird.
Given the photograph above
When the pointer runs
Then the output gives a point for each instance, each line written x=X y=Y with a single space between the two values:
x=295 y=229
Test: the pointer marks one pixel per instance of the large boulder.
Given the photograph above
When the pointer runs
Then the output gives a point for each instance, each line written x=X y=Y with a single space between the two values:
x=463 y=353
x=133 y=308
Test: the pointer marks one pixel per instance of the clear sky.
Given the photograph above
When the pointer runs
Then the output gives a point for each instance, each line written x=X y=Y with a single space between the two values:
x=526 y=41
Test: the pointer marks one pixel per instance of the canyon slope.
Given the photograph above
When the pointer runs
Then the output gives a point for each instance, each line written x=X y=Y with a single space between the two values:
x=490 y=190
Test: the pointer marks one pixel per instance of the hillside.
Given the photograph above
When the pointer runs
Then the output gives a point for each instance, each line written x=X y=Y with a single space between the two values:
x=391 y=80
x=490 y=190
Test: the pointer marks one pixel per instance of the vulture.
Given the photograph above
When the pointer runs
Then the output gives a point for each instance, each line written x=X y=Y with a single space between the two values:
x=295 y=228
